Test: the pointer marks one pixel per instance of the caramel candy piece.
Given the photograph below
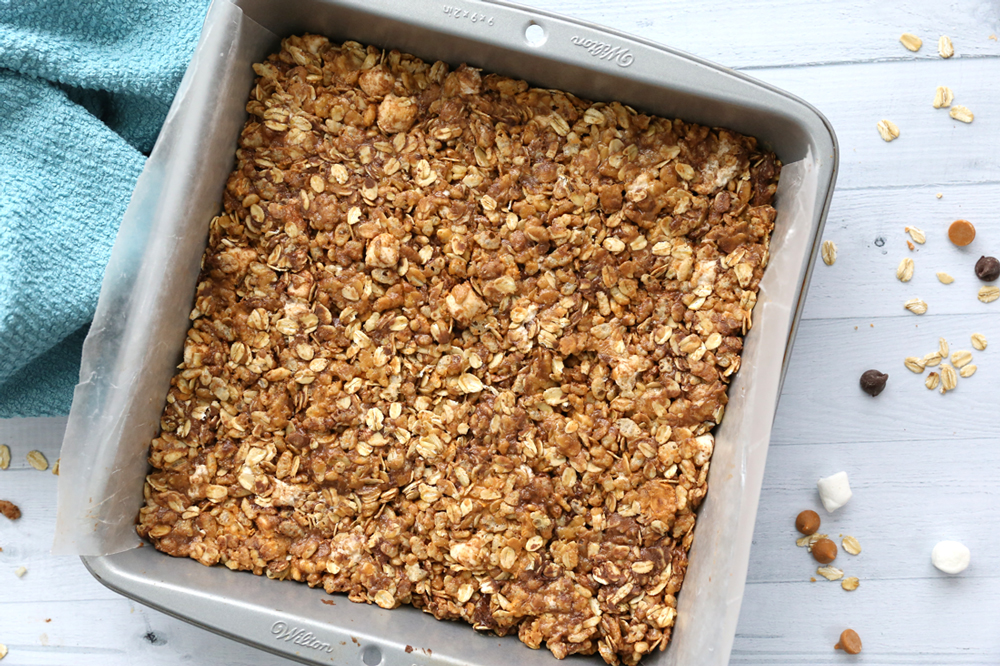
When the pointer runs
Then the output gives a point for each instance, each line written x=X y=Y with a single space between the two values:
x=961 y=232
x=807 y=522
x=850 y=642
x=824 y=551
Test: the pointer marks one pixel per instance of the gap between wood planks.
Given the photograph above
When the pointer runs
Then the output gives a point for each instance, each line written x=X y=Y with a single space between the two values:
x=917 y=186
x=867 y=61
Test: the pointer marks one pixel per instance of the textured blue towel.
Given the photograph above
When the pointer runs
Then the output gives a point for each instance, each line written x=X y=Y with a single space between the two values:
x=84 y=89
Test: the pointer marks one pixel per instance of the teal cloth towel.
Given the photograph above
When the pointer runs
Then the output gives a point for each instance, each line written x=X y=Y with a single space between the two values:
x=84 y=89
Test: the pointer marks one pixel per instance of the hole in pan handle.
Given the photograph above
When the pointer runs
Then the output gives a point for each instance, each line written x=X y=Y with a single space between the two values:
x=371 y=656
x=535 y=34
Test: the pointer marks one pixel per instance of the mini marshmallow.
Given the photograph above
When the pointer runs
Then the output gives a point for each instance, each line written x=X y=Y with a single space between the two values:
x=950 y=557
x=834 y=491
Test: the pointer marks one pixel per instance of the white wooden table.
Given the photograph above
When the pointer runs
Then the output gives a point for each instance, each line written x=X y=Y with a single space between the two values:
x=923 y=466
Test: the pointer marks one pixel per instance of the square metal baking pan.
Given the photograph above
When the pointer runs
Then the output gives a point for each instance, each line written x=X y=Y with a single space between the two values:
x=139 y=329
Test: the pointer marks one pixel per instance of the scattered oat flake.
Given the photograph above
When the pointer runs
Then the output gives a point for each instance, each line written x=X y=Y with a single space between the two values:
x=850 y=584
x=917 y=235
x=949 y=379
x=943 y=347
x=932 y=359
x=55 y=468
x=943 y=97
x=830 y=573
x=989 y=294
x=3 y=650
x=809 y=540
x=887 y=130
x=916 y=306
x=911 y=41
x=932 y=381
x=945 y=48
x=910 y=245
x=38 y=461
x=939 y=195
x=904 y=272
x=914 y=364
x=968 y=370
x=962 y=113
x=961 y=357
x=20 y=571
x=851 y=545
x=4 y=456
x=829 y=252
x=979 y=341
x=944 y=278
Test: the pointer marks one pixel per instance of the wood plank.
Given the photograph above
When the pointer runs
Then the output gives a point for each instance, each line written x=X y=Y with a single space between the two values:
x=23 y=435
x=772 y=32
x=114 y=631
x=901 y=623
x=895 y=512
x=932 y=148
x=822 y=403
x=27 y=542
x=868 y=229
x=907 y=496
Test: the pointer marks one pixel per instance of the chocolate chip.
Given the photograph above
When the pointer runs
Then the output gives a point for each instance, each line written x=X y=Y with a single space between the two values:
x=873 y=381
x=987 y=269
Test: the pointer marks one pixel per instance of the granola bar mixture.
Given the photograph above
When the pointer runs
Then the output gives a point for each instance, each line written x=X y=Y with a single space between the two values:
x=460 y=343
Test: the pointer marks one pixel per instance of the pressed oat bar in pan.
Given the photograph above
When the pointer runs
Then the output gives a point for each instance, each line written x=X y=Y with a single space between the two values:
x=460 y=343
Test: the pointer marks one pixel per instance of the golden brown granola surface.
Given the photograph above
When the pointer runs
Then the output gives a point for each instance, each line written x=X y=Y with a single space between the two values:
x=460 y=343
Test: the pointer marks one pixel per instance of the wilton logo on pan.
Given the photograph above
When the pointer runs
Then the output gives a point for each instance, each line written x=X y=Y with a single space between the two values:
x=282 y=632
x=617 y=54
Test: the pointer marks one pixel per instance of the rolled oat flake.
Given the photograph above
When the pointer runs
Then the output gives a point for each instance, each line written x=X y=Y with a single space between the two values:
x=873 y=381
x=987 y=269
